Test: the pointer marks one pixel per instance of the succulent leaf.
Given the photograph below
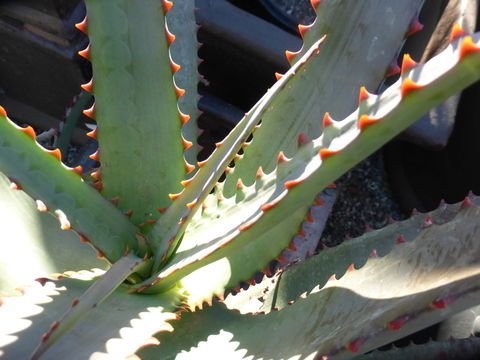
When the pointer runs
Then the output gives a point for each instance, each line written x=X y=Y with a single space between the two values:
x=317 y=164
x=45 y=248
x=387 y=298
x=348 y=59
x=64 y=193
x=135 y=105
x=115 y=330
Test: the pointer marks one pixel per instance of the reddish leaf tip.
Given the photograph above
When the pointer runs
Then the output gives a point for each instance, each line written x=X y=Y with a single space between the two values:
x=325 y=153
x=366 y=120
x=85 y=53
x=278 y=76
x=281 y=157
x=468 y=47
x=259 y=173
x=457 y=32
x=363 y=95
x=88 y=87
x=29 y=131
x=90 y=112
x=409 y=86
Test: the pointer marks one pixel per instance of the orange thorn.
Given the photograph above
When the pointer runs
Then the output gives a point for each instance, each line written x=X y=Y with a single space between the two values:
x=290 y=55
x=363 y=95
x=151 y=221
x=167 y=5
x=3 y=112
x=175 y=196
x=408 y=86
x=260 y=173
x=161 y=210
x=170 y=36
x=85 y=53
x=268 y=206
x=278 y=76
x=93 y=133
x=98 y=185
x=83 y=25
x=83 y=238
x=400 y=239
x=309 y=218
x=240 y=184
x=191 y=204
x=228 y=169
x=75 y=302
x=245 y=226
x=90 y=112
x=115 y=200
x=100 y=254
x=41 y=205
x=407 y=64
x=302 y=139
x=327 y=120
x=468 y=47
x=88 y=87
x=281 y=157
x=315 y=3
x=332 y=186
x=96 y=174
x=324 y=153
x=179 y=91
x=186 y=144
x=366 y=120
x=128 y=213
x=186 y=182
x=183 y=118
x=201 y=163
x=218 y=144
x=415 y=26
x=95 y=155
x=189 y=167
x=291 y=183
x=56 y=153
x=175 y=67
x=29 y=131
x=78 y=169
x=457 y=32
x=302 y=29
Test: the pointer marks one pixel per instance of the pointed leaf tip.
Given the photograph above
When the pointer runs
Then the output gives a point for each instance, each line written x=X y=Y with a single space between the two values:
x=407 y=64
x=303 y=28
x=278 y=76
x=291 y=54
x=93 y=133
x=3 y=112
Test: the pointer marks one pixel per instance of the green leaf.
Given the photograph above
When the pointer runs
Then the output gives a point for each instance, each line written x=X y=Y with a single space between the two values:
x=415 y=285
x=139 y=127
x=362 y=40
x=63 y=192
x=32 y=243
x=117 y=328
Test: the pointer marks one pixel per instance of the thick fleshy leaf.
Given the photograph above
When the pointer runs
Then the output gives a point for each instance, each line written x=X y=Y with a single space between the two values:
x=285 y=194
x=415 y=285
x=113 y=330
x=362 y=40
x=33 y=245
x=139 y=126
x=181 y=22
x=62 y=191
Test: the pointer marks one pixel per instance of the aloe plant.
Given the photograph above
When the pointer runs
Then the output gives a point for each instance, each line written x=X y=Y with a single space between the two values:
x=171 y=241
